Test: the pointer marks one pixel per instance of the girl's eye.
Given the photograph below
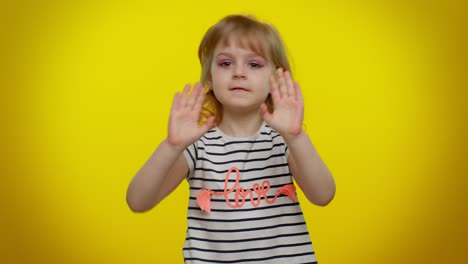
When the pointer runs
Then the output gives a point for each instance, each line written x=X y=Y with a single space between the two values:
x=224 y=63
x=255 y=64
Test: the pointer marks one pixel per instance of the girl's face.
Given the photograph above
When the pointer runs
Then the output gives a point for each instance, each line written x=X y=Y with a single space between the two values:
x=240 y=78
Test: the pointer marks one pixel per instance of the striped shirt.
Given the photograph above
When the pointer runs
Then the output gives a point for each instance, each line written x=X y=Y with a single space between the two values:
x=247 y=223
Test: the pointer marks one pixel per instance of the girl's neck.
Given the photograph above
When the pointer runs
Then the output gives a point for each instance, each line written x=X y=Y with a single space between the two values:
x=240 y=125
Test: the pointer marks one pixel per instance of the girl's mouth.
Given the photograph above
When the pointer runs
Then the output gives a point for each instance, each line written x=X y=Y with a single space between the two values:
x=240 y=89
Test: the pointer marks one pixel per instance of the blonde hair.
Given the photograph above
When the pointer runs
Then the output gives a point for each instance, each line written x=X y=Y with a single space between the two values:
x=248 y=32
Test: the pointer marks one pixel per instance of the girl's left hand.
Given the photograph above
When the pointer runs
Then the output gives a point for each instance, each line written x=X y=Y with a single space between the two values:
x=288 y=103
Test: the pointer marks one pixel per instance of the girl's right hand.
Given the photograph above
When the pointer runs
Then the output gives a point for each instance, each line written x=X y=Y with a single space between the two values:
x=184 y=128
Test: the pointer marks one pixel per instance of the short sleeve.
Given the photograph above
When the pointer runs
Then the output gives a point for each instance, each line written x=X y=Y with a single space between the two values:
x=286 y=152
x=278 y=139
x=190 y=154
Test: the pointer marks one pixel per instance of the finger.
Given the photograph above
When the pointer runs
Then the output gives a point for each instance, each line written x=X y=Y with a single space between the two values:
x=199 y=101
x=192 y=98
x=176 y=102
x=273 y=84
x=299 y=97
x=183 y=97
x=274 y=89
x=300 y=100
x=264 y=113
x=282 y=84
x=175 y=107
x=210 y=123
x=289 y=84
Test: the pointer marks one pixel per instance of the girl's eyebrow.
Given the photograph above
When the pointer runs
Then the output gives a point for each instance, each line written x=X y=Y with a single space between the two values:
x=228 y=54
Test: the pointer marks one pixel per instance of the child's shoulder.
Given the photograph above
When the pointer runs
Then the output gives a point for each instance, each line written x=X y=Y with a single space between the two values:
x=271 y=133
x=216 y=136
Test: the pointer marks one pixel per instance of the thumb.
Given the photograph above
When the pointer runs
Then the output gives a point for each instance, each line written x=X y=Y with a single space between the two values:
x=209 y=124
x=264 y=113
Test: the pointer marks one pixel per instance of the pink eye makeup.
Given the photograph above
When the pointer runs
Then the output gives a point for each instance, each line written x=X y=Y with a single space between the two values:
x=253 y=62
x=256 y=64
x=224 y=62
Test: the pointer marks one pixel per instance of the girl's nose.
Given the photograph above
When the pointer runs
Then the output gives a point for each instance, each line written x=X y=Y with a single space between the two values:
x=239 y=73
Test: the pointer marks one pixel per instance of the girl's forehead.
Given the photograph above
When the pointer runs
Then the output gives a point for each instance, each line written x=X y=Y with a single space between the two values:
x=250 y=43
x=235 y=49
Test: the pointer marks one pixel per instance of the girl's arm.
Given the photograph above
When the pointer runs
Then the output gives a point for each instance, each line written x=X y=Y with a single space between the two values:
x=307 y=168
x=167 y=167
x=159 y=176
x=309 y=171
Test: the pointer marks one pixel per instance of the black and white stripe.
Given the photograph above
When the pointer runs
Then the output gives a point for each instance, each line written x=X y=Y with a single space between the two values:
x=269 y=233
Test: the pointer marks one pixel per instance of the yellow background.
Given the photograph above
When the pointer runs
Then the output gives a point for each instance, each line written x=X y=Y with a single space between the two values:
x=86 y=88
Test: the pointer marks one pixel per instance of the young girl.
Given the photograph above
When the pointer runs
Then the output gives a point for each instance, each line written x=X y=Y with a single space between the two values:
x=237 y=139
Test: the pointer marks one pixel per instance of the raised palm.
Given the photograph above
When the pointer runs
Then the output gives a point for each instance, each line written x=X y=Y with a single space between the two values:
x=184 y=128
x=288 y=103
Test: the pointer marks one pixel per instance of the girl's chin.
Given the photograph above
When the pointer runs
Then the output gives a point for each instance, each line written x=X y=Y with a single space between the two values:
x=242 y=108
